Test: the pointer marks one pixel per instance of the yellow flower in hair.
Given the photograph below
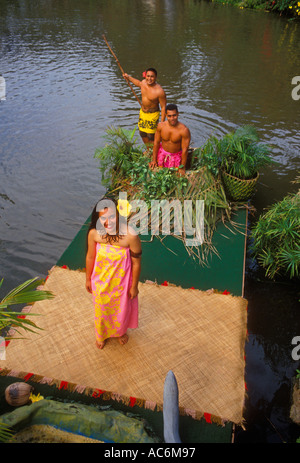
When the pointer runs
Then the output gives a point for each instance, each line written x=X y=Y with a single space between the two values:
x=124 y=207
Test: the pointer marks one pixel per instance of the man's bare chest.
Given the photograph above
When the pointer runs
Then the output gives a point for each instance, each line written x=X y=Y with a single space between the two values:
x=169 y=135
x=151 y=94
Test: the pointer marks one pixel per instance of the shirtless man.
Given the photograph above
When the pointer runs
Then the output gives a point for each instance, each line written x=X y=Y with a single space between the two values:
x=153 y=96
x=171 y=142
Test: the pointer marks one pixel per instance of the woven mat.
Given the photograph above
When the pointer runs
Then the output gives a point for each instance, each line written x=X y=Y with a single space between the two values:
x=198 y=335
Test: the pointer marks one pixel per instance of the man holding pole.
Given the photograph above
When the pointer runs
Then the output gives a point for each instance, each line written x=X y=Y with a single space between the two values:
x=153 y=97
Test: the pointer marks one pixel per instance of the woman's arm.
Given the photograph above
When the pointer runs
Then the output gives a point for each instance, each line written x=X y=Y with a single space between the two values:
x=136 y=254
x=90 y=259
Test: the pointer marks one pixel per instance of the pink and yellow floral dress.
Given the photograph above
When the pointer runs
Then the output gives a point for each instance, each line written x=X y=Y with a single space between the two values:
x=111 y=280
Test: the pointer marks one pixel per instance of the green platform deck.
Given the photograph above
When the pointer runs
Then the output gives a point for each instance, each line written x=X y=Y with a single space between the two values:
x=223 y=272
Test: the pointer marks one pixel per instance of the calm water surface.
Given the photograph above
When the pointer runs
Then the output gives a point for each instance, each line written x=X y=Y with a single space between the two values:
x=223 y=67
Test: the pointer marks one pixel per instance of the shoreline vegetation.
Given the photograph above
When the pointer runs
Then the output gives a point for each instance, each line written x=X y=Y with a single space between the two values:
x=289 y=8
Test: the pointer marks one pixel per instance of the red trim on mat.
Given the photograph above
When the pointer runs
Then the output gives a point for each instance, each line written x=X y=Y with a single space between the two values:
x=63 y=385
x=97 y=393
x=207 y=417
x=132 y=401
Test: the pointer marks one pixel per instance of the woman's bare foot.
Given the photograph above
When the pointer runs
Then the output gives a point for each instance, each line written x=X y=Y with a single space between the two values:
x=100 y=345
x=123 y=339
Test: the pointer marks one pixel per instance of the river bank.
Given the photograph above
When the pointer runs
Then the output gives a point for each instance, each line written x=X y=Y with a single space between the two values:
x=290 y=8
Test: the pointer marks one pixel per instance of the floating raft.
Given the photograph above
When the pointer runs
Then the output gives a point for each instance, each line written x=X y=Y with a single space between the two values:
x=166 y=258
x=198 y=334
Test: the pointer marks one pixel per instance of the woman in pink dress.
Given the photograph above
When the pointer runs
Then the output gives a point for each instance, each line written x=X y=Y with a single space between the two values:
x=113 y=265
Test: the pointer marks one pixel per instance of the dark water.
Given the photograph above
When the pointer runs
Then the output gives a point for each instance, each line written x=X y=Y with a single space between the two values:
x=223 y=67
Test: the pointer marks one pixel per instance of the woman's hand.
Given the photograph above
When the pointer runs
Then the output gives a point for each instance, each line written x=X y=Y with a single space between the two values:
x=88 y=285
x=133 y=292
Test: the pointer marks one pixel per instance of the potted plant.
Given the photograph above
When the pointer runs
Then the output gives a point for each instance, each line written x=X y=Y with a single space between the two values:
x=237 y=158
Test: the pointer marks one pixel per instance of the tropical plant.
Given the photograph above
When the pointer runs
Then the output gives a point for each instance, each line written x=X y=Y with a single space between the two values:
x=117 y=155
x=142 y=183
x=158 y=184
x=6 y=432
x=238 y=153
x=276 y=238
x=207 y=156
x=26 y=293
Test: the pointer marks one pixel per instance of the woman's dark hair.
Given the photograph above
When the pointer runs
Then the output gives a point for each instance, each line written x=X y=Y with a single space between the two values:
x=106 y=200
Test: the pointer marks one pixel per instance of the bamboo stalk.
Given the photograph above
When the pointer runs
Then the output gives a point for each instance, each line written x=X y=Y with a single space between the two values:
x=118 y=63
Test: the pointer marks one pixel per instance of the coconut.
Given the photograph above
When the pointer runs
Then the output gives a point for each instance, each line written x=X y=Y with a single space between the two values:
x=17 y=394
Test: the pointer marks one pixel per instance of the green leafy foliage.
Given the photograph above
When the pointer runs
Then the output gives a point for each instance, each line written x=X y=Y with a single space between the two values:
x=156 y=184
x=238 y=153
x=276 y=238
x=6 y=433
x=126 y=168
x=288 y=7
x=25 y=293
x=123 y=164
x=207 y=156
x=117 y=155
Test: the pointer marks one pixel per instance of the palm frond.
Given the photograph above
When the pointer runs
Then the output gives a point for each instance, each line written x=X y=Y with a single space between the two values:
x=6 y=433
x=276 y=237
x=25 y=294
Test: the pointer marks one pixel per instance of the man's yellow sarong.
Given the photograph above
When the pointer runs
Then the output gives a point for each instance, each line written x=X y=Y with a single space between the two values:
x=148 y=121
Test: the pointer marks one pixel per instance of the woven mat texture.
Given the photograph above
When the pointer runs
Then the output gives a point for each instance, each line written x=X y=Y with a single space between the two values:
x=198 y=335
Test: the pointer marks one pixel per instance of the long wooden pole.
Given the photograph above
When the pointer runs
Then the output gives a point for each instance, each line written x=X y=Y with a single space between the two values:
x=121 y=69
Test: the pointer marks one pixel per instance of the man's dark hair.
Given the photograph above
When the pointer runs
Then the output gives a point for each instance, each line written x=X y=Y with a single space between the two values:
x=171 y=107
x=152 y=70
